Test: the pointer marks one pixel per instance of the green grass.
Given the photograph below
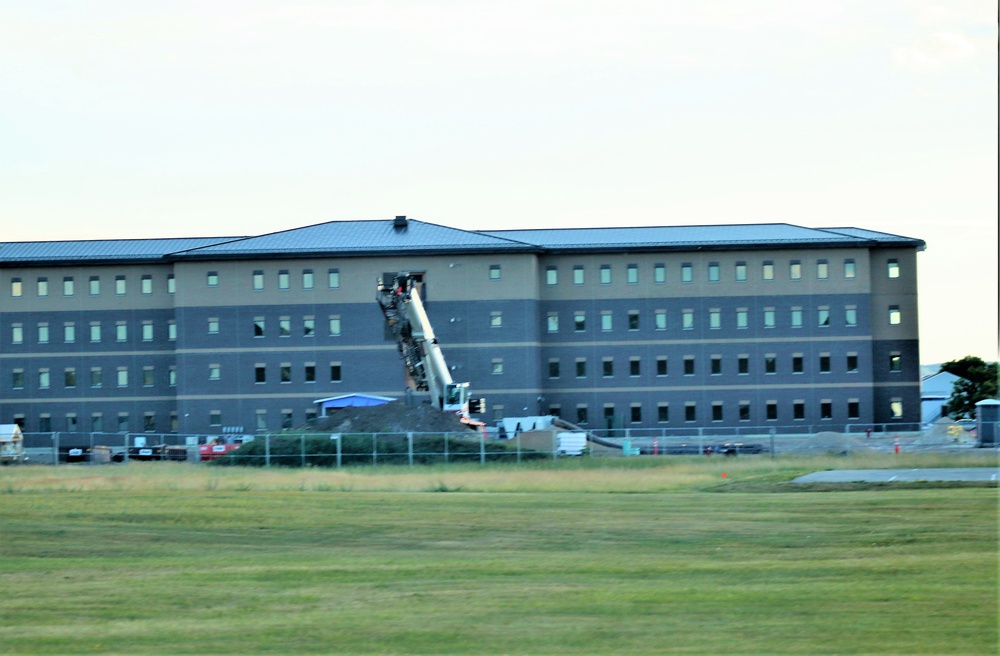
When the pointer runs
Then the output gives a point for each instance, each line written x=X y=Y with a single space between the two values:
x=576 y=556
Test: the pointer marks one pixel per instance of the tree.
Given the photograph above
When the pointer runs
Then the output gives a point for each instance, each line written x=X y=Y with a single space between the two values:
x=977 y=380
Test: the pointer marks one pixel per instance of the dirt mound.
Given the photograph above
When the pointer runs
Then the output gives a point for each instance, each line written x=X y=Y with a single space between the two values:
x=392 y=417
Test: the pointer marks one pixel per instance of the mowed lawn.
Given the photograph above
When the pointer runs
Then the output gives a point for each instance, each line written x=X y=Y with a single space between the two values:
x=178 y=559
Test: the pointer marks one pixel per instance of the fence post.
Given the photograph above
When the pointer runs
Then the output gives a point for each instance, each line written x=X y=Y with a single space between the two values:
x=482 y=449
x=125 y=447
x=446 y=448
x=772 y=431
x=374 y=448
x=518 y=446
x=339 y=449
x=267 y=451
x=701 y=442
x=55 y=449
x=409 y=446
x=302 y=449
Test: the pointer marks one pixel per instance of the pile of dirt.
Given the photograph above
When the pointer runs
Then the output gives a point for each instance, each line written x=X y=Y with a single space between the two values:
x=392 y=417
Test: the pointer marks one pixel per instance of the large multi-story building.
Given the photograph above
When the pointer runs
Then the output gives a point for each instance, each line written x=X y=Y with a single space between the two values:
x=738 y=325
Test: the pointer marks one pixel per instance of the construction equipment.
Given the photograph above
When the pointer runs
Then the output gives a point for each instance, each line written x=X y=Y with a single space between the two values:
x=426 y=369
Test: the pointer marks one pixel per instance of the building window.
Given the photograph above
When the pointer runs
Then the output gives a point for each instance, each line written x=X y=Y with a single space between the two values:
x=688 y=365
x=496 y=366
x=743 y=364
x=172 y=376
x=494 y=272
x=895 y=362
x=823 y=316
x=96 y=377
x=554 y=368
x=43 y=333
x=662 y=412
x=716 y=365
x=68 y=286
x=796 y=317
x=633 y=320
x=741 y=272
x=660 y=319
x=713 y=272
x=172 y=330
x=581 y=367
x=826 y=409
x=149 y=422
x=285 y=372
x=95 y=331
x=215 y=372
x=578 y=274
x=605 y=274
x=798 y=363
x=44 y=378
x=148 y=376
x=496 y=319
x=258 y=326
x=579 y=321
x=71 y=424
x=286 y=419
x=308 y=326
x=95 y=286
x=259 y=373
x=635 y=413
x=634 y=367
x=851 y=316
x=895 y=316
x=17 y=381
x=336 y=373
x=335 y=325
x=606 y=320
x=309 y=372
x=552 y=322
x=795 y=270
x=798 y=410
x=284 y=327
x=893 y=266
x=43 y=286
x=333 y=278
x=770 y=363
x=258 y=280
x=284 y=280
x=146 y=285
x=767 y=270
x=659 y=274
x=147 y=331
x=896 y=408
x=551 y=275
x=581 y=414
x=607 y=367
x=122 y=422
x=822 y=269
x=850 y=269
x=16 y=287
x=690 y=411
x=742 y=318
x=662 y=368
x=213 y=326
x=215 y=417
x=171 y=283
x=261 y=420
x=687 y=319
x=744 y=410
x=771 y=410
x=824 y=363
x=852 y=362
x=69 y=332
x=17 y=333
x=769 y=318
x=120 y=285
x=121 y=376
x=632 y=274
x=121 y=331
x=717 y=411
x=96 y=422
x=853 y=409
x=212 y=278
x=687 y=272
x=714 y=319
x=308 y=279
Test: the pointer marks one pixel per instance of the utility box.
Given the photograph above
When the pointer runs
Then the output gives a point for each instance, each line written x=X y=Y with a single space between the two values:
x=988 y=421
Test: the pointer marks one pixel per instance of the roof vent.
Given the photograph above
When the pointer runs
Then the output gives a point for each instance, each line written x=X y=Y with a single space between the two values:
x=400 y=223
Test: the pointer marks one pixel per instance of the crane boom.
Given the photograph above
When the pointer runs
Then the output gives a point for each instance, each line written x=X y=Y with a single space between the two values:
x=426 y=369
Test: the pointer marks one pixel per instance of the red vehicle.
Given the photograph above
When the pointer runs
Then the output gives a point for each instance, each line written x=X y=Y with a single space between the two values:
x=220 y=446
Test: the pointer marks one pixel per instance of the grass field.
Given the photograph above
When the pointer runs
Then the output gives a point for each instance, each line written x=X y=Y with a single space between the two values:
x=597 y=557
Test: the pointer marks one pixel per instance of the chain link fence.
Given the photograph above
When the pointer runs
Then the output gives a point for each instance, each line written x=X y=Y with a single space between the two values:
x=353 y=449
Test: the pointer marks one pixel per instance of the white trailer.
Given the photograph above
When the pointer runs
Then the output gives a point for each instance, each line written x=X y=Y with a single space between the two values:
x=11 y=444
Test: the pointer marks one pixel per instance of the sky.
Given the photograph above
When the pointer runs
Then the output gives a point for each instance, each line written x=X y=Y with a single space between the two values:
x=124 y=119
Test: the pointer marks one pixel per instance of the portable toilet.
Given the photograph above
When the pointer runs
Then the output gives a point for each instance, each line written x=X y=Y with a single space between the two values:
x=988 y=421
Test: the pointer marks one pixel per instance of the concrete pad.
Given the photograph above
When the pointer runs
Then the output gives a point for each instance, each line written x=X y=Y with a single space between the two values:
x=900 y=475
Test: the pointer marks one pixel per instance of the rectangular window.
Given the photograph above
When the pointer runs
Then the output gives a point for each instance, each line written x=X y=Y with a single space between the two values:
x=551 y=275
x=554 y=368
x=335 y=372
x=743 y=364
x=687 y=319
x=212 y=278
x=853 y=409
x=43 y=333
x=688 y=365
x=850 y=269
x=146 y=284
x=662 y=412
x=660 y=319
x=261 y=420
x=121 y=331
x=494 y=272
x=895 y=362
x=826 y=409
x=824 y=363
x=333 y=278
x=579 y=321
x=44 y=378
x=496 y=366
x=69 y=332
x=822 y=269
x=796 y=317
x=577 y=274
x=308 y=279
x=43 y=286
x=606 y=320
x=213 y=326
x=798 y=410
x=258 y=280
x=335 y=326
x=496 y=319
x=634 y=367
x=121 y=376
x=714 y=319
x=798 y=363
x=286 y=418
x=71 y=424
x=771 y=410
x=16 y=287
x=258 y=326
x=795 y=270
x=68 y=286
x=896 y=408
x=767 y=270
x=308 y=326
x=122 y=422
x=895 y=316
x=769 y=318
x=284 y=327
x=259 y=373
x=17 y=380
x=851 y=316
x=148 y=376
x=659 y=274
x=633 y=320
x=581 y=414
x=716 y=365
x=552 y=322
x=823 y=316
x=172 y=330
x=95 y=286
x=741 y=272
x=632 y=274
x=171 y=283
x=309 y=372
x=690 y=411
x=17 y=333
x=214 y=417
x=744 y=411
x=635 y=413
x=120 y=285
x=717 y=411
x=893 y=266
x=283 y=280
x=581 y=367
x=770 y=363
x=215 y=372
x=687 y=272
x=96 y=377
x=605 y=274
x=285 y=372
x=149 y=422
x=852 y=362
x=69 y=377
x=661 y=365
x=714 y=274
x=742 y=318
x=607 y=367
x=147 y=331
x=172 y=376
x=96 y=423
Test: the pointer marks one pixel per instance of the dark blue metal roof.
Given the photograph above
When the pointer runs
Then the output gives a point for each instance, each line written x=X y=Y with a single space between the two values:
x=359 y=238
x=108 y=250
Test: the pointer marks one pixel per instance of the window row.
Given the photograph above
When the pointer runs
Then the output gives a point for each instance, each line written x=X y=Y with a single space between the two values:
x=95 y=377
x=307 y=328
x=713 y=272
x=306 y=279
x=285 y=372
x=97 y=331
x=94 y=285
x=99 y=422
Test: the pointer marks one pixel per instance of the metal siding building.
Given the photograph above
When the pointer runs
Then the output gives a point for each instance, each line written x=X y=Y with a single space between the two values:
x=668 y=327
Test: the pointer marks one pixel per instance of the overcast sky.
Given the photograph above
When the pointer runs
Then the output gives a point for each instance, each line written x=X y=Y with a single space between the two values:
x=123 y=119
